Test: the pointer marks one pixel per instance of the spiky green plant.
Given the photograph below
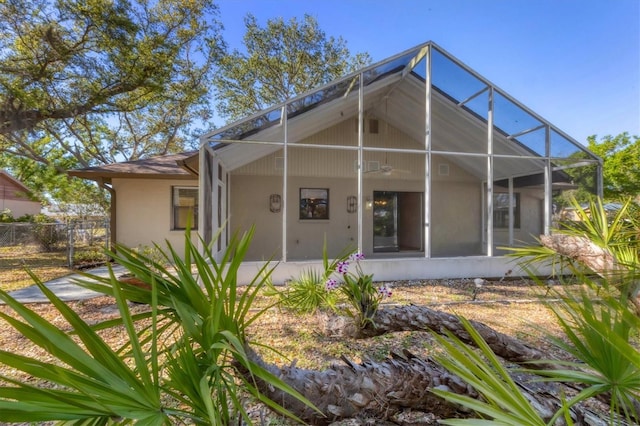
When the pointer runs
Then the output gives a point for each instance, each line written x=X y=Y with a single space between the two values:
x=599 y=335
x=617 y=233
x=196 y=337
x=93 y=383
x=502 y=401
x=306 y=293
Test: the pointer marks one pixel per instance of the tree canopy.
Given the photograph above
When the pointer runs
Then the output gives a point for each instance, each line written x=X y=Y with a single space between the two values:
x=85 y=83
x=282 y=59
x=90 y=83
x=621 y=168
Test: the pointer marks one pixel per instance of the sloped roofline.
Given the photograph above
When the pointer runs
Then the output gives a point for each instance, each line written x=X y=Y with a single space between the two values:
x=171 y=166
x=15 y=181
x=206 y=138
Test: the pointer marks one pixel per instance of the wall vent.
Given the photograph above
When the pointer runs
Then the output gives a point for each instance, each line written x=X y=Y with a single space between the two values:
x=373 y=126
x=279 y=163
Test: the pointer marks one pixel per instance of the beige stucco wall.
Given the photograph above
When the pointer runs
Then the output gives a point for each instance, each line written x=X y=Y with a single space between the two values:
x=143 y=209
x=456 y=204
x=531 y=221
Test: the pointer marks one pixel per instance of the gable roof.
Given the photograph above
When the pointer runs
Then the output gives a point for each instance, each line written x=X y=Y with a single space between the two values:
x=15 y=183
x=171 y=166
x=395 y=89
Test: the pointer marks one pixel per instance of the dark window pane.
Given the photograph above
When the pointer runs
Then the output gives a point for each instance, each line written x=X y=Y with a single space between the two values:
x=185 y=208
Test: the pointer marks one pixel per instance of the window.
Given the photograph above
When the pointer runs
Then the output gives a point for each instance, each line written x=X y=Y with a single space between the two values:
x=501 y=210
x=314 y=203
x=184 y=202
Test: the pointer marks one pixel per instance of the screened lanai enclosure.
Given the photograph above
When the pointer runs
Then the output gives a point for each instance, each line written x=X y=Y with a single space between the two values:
x=415 y=157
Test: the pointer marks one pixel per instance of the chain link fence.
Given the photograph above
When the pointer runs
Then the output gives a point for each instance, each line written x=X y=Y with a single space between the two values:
x=83 y=241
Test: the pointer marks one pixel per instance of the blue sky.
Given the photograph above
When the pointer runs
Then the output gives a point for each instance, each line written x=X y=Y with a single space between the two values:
x=574 y=62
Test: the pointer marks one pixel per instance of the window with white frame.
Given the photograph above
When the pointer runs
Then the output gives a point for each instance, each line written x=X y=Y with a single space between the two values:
x=501 y=206
x=184 y=203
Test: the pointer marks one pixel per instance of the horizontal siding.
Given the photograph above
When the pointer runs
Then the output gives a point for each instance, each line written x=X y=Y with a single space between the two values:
x=320 y=162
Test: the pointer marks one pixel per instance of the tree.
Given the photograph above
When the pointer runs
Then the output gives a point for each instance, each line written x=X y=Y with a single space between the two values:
x=93 y=83
x=282 y=60
x=621 y=169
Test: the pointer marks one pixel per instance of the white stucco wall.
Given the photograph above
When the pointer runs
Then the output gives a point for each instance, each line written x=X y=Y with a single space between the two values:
x=143 y=209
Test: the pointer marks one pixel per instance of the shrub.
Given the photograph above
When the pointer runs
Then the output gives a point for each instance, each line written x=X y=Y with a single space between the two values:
x=89 y=256
x=193 y=378
x=6 y=216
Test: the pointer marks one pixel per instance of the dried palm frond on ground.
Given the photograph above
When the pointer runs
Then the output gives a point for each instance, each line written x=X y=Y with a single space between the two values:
x=510 y=306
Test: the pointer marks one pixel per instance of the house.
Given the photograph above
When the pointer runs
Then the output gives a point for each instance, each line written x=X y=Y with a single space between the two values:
x=15 y=197
x=417 y=161
x=152 y=199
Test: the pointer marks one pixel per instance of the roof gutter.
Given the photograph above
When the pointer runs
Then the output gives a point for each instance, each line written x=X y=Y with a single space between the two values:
x=112 y=213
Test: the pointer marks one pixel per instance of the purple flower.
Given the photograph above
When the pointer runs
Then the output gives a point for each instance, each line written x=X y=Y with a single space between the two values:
x=331 y=284
x=342 y=267
x=385 y=291
x=356 y=256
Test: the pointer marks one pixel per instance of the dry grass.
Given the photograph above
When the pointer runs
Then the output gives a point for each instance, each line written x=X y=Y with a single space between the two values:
x=14 y=262
x=512 y=307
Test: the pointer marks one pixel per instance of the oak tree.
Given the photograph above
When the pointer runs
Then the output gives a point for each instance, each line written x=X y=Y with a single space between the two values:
x=85 y=83
x=281 y=60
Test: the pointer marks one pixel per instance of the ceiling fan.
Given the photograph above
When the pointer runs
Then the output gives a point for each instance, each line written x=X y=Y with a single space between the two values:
x=387 y=169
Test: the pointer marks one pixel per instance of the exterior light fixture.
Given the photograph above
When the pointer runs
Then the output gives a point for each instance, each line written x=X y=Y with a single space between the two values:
x=275 y=203
x=352 y=204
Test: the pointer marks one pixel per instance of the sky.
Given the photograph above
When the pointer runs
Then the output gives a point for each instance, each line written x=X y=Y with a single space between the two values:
x=576 y=63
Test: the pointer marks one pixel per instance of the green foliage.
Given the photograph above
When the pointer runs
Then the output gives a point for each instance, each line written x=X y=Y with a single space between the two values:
x=91 y=380
x=356 y=288
x=6 y=216
x=359 y=291
x=335 y=287
x=91 y=83
x=501 y=399
x=194 y=333
x=616 y=232
x=282 y=59
x=598 y=335
x=304 y=294
x=621 y=168
x=91 y=255
x=46 y=232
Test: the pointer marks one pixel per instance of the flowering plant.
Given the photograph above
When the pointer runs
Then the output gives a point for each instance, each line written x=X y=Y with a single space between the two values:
x=357 y=287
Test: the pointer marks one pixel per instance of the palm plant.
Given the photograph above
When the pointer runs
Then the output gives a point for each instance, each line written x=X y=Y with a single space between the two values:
x=502 y=399
x=307 y=293
x=92 y=382
x=599 y=335
x=601 y=242
x=304 y=294
x=186 y=362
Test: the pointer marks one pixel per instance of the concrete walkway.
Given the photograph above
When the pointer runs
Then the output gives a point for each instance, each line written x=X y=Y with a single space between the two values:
x=64 y=287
